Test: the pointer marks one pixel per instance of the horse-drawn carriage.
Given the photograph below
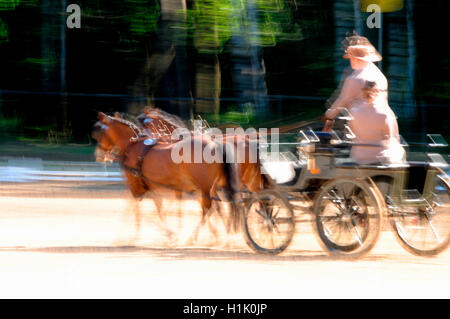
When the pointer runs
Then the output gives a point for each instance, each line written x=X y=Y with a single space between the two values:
x=349 y=203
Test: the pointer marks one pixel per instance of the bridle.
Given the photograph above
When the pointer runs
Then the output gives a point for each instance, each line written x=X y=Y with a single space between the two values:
x=114 y=152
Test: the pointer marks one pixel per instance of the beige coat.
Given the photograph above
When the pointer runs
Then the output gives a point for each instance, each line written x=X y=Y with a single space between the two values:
x=373 y=122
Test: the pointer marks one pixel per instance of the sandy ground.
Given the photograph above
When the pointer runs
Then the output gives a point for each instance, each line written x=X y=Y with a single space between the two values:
x=56 y=243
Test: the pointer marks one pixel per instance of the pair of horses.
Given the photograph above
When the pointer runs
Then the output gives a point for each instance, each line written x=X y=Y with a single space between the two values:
x=145 y=154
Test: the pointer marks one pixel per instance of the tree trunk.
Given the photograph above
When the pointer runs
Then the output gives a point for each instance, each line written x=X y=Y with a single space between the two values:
x=401 y=58
x=170 y=53
x=248 y=63
x=347 y=17
x=208 y=84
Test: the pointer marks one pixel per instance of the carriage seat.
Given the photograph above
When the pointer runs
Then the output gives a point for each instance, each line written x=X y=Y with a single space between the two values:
x=285 y=170
x=280 y=171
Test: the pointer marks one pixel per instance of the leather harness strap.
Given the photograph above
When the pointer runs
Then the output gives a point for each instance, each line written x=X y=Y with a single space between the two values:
x=137 y=172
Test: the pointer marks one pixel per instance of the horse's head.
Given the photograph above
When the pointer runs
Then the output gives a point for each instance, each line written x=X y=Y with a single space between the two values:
x=113 y=135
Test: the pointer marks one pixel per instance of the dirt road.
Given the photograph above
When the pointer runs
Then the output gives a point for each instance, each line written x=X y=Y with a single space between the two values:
x=80 y=245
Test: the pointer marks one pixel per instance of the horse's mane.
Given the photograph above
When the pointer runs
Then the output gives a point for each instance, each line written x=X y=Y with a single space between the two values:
x=169 y=118
x=130 y=124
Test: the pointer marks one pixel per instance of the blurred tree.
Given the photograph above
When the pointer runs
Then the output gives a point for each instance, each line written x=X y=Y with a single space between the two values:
x=211 y=23
x=3 y=32
x=142 y=16
x=247 y=25
x=6 y=5
x=165 y=70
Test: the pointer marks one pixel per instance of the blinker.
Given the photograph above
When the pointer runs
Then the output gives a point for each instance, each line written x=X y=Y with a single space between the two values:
x=150 y=141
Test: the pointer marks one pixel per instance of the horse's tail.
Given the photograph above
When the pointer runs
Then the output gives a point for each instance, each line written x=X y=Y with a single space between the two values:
x=264 y=180
x=231 y=189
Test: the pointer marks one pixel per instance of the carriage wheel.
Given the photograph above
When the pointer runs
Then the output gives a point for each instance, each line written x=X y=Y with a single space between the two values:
x=426 y=231
x=348 y=217
x=269 y=222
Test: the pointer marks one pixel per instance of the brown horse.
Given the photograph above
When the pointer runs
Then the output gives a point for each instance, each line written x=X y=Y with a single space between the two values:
x=247 y=163
x=247 y=176
x=150 y=168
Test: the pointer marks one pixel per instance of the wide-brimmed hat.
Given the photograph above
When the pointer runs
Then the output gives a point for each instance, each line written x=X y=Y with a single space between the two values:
x=359 y=47
x=362 y=52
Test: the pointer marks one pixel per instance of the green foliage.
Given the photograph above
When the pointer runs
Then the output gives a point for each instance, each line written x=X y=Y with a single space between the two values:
x=38 y=61
x=9 y=124
x=211 y=23
x=276 y=23
x=8 y=4
x=3 y=32
x=142 y=16
x=241 y=115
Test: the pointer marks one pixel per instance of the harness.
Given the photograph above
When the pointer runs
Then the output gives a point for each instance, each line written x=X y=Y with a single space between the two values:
x=137 y=172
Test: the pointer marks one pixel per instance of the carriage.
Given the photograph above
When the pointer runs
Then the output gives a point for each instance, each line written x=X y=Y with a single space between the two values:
x=350 y=204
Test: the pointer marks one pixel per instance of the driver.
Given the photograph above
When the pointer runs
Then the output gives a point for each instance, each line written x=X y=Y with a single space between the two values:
x=364 y=96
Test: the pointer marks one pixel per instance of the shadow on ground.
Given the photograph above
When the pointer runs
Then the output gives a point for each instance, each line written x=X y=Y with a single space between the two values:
x=191 y=253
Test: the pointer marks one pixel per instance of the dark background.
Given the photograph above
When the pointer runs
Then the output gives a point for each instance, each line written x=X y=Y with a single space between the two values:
x=54 y=79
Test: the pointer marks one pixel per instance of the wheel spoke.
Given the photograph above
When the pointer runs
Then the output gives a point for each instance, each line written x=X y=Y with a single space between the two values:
x=271 y=213
x=429 y=219
x=424 y=229
x=358 y=234
x=342 y=217
x=261 y=213
x=274 y=215
x=337 y=201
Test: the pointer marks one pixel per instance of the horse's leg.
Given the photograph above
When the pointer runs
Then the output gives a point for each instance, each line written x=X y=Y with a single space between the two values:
x=218 y=208
x=226 y=219
x=132 y=206
x=232 y=220
x=224 y=196
x=212 y=228
x=162 y=223
x=137 y=219
x=205 y=203
x=179 y=197
x=137 y=193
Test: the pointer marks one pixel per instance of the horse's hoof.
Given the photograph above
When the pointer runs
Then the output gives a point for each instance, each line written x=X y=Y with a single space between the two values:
x=212 y=243
x=119 y=243
x=172 y=240
x=171 y=243
x=190 y=242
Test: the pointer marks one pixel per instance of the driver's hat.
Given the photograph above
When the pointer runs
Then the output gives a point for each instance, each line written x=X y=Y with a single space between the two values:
x=359 y=47
x=362 y=52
